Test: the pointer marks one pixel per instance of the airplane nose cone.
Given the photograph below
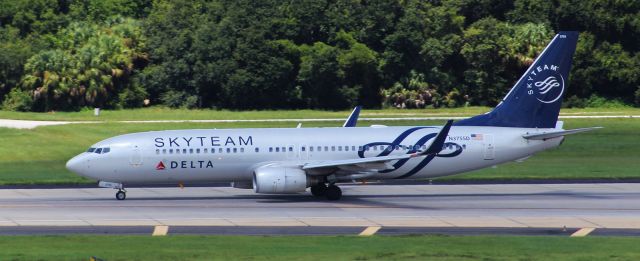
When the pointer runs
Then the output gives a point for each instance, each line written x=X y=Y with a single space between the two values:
x=76 y=165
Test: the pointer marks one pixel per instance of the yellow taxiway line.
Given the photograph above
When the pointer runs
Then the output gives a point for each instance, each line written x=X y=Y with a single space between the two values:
x=160 y=231
x=369 y=231
x=583 y=232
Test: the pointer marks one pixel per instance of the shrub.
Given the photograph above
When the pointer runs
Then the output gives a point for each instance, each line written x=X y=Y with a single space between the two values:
x=18 y=100
x=179 y=99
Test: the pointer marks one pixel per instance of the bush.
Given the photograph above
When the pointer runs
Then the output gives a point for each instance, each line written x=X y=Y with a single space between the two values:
x=179 y=99
x=132 y=97
x=599 y=102
x=575 y=102
x=18 y=100
x=637 y=97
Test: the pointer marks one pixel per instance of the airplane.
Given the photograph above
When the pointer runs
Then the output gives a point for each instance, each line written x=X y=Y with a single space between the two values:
x=291 y=160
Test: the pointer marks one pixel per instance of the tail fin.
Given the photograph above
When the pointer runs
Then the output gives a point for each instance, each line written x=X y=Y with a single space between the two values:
x=534 y=101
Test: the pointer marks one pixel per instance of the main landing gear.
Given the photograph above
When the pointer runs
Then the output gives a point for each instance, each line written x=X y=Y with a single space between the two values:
x=332 y=192
x=121 y=194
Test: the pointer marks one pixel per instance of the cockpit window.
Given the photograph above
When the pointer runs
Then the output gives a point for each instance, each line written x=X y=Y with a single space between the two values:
x=99 y=150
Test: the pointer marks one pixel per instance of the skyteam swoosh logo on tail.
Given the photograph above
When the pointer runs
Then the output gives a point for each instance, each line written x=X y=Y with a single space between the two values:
x=545 y=86
x=546 y=83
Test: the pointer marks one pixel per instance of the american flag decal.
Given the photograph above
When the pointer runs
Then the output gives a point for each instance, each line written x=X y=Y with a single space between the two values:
x=476 y=136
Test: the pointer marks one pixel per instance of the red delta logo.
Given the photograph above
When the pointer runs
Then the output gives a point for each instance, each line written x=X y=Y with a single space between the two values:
x=160 y=166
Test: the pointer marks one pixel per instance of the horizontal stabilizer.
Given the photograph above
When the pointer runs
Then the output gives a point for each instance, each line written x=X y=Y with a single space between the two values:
x=555 y=134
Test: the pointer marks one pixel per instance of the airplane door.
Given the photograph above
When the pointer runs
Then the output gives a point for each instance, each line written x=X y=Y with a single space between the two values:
x=304 y=152
x=488 y=147
x=136 y=157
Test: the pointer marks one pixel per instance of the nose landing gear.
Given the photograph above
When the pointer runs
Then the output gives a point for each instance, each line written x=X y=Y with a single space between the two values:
x=121 y=194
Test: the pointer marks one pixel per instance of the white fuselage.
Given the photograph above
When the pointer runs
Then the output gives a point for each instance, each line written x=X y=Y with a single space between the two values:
x=216 y=155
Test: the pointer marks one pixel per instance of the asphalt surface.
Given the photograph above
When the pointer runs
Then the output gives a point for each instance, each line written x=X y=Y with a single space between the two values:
x=523 y=209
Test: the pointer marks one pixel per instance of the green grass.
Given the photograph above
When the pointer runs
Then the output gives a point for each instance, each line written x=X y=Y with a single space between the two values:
x=317 y=248
x=38 y=156
x=161 y=113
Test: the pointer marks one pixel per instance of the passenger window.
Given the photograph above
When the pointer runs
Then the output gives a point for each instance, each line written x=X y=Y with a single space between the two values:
x=302 y=149
x=353 y=148
x=213 y=150
x=164 y=151
x=228 y=150
x=205 y=151
x=242 y=150
x=184 y=151
x=333 y=148
x=346 y=148
x=257 y=149
x=170 y=151
x=157 y=151
x=326 y=148
x=270 y=149
x=339 y=148
x=198 y=151
x=235 y=150
x=290 y=149
x=360 y=148
x=220 y=150
x=283 y=149
x=319 y=148
x=310 y=148
x=277 y=149
x=191 y=151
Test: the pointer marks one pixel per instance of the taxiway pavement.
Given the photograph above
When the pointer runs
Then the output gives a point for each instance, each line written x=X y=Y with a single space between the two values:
x=613 y=206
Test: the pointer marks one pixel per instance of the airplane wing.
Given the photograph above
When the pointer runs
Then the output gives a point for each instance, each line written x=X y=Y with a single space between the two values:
x=554 y=134
x=353 y=118
x=383 y=161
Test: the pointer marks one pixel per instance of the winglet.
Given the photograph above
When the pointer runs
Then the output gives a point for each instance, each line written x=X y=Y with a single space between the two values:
x=353 y=118
x=438 y=142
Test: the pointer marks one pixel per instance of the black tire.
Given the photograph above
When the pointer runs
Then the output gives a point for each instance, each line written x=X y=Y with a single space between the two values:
x=333 y=192
x=121 y=195
x=319 y=190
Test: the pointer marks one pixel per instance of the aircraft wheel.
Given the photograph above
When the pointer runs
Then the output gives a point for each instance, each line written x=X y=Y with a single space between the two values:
x=319 y=190
x=121 y=195
x=333 y=192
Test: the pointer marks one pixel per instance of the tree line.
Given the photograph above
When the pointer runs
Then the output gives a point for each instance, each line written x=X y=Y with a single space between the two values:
x=321 y=54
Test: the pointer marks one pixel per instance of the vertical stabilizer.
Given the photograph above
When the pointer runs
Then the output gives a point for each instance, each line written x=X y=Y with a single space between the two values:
x=535 y=100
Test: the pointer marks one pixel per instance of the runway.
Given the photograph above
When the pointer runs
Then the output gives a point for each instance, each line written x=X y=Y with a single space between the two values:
x=612 y=208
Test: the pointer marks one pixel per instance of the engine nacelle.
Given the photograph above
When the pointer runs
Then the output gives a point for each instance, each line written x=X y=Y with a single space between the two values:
x=271 y=180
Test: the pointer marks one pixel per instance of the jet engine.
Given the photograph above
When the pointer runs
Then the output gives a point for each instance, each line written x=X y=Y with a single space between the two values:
x=271 y=180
